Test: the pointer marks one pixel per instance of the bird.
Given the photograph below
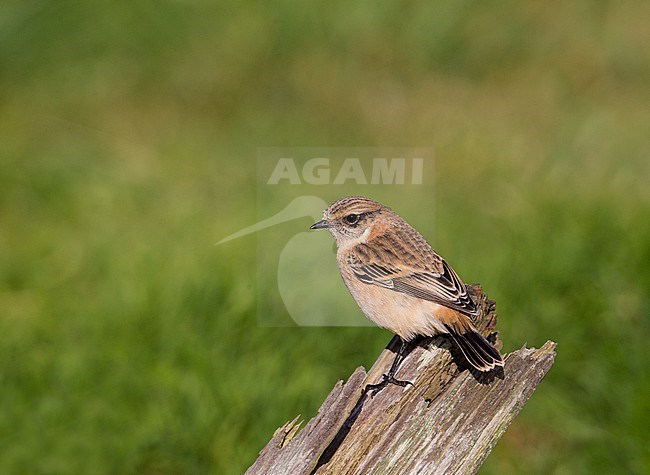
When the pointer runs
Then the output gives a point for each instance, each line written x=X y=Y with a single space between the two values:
x=402 y=284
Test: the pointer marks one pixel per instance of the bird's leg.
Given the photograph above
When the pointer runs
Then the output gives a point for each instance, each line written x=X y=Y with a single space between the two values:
x=389 y=378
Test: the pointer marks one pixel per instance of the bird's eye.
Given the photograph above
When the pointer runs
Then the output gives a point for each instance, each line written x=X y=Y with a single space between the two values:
x=352 y=218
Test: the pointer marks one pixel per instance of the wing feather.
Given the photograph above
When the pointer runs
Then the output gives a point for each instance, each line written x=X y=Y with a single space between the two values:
x=396 y=269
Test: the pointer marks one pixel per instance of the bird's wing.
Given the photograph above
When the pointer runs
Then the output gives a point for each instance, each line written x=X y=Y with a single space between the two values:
x=430 y=278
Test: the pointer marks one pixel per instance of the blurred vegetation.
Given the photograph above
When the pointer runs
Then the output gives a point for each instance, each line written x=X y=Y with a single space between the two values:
x=129 y=133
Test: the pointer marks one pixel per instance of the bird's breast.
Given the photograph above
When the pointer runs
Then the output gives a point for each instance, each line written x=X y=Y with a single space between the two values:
x=402 y=314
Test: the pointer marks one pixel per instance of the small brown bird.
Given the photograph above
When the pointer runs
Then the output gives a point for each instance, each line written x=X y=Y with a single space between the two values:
x=400 y=282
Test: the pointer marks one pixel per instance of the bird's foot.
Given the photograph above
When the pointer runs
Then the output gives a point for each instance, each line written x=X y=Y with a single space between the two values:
x=386 y=380
x=390 y=379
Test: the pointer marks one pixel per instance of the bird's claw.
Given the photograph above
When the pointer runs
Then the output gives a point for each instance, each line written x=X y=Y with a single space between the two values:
x=386 y=380
x=398 y=382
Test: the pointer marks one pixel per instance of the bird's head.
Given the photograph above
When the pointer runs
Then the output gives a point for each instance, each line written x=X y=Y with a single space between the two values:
x=353 y=218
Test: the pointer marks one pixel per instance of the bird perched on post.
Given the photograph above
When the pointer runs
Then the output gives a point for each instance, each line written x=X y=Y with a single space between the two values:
x=400 y=282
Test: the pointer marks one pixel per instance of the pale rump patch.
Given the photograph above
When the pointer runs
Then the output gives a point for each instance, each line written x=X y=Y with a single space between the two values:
x=457 y=321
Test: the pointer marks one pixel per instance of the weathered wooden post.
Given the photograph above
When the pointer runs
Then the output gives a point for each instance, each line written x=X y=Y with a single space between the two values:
x=447 y=423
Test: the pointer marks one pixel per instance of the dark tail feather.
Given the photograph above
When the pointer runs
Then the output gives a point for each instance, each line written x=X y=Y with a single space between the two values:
x=477 y=350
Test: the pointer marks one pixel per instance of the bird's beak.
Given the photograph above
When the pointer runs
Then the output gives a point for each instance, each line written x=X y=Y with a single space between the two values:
x=322 y=224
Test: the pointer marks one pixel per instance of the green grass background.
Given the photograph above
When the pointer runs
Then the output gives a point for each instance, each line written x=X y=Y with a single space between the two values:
x=128 y=134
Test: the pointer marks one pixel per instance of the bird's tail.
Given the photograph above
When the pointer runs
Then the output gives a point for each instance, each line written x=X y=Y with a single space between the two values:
x=477 y=350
